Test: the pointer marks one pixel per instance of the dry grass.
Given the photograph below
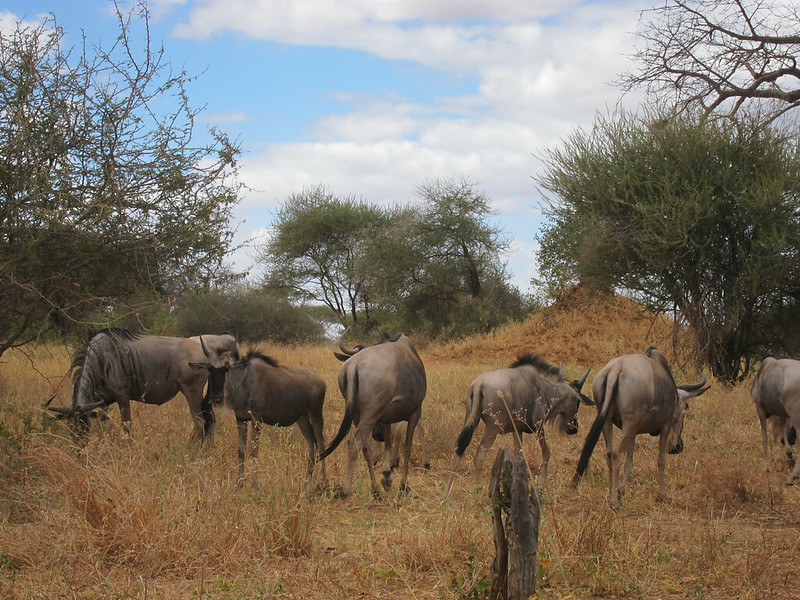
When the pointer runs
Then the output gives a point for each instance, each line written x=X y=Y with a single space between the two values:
x=154 y=516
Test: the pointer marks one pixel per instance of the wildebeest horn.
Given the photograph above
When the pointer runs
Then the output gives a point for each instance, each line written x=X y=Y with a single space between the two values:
x=690 y=387
x=90 y=407
x=66 y=412
x=348 y=351
x=203 y=346
x=62 y=411
x=582 y=380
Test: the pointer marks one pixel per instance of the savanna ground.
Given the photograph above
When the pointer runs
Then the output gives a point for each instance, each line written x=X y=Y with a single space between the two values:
x=155 y=516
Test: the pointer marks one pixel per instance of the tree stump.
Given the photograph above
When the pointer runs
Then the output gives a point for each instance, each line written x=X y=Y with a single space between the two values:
x=515 y=521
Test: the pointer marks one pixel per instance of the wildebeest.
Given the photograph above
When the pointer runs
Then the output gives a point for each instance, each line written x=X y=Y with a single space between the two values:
x=119 y=366
x=519 y=399
x=776 y=394
x=381 y=384
x=260 y=391
x=637 y=393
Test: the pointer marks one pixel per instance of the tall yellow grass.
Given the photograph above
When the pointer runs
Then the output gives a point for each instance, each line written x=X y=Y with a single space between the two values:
x=154 y=516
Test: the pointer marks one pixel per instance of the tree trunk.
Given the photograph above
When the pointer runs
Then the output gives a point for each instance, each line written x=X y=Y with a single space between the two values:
x=515 y=521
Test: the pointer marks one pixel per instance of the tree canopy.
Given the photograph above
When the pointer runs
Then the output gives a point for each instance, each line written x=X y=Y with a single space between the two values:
x=315 y=250
x=695 y=217
x=435 y=266
x=106 y=199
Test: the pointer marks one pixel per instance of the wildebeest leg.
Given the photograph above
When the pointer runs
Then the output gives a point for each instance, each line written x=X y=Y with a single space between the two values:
x=354 y=444
x=628 y=464
x=125 y=414
x=207 y=416
x=316 y=423
x=413 y=420
x=480 y=452
x=352 y=456
x=762 y=419
x=545 y=456
x=608 y=436
x=662 y=465
x=241 y=428
x=624 y=453
x=366 y=449
x=390 y=451
x=311 y=441
x=789 y=431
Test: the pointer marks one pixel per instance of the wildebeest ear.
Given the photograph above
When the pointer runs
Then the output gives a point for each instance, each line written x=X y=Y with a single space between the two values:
x=586 y=400
x=240 y=365
x=199 y=366
x=340 y=356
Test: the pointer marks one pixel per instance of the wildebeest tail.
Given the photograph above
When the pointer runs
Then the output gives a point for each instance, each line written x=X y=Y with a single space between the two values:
x=606 y=397
x=471 y=420
x=347 y=420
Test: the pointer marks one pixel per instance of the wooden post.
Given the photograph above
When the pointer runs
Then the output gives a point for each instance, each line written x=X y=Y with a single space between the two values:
x=515 y=521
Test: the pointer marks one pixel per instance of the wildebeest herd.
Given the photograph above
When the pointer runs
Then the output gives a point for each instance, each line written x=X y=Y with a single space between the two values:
x=384 y=385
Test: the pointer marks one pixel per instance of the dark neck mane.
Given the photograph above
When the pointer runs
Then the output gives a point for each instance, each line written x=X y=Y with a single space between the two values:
x=262 y=357
x=538 y=363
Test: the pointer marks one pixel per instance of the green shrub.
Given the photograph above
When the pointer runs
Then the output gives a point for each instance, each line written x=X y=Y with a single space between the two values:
x=251 y=315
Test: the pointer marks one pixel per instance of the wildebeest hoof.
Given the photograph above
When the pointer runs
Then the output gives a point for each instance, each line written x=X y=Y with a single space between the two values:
x=427 y=466
x=341 y=494
x=386 y=483
x=789 y=482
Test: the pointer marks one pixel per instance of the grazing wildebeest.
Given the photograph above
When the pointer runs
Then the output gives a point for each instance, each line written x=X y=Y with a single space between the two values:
x=519 y=399
x=119 y=366
x=381 y=384
x=258 y=390
x=637 y=393
x=776 y=394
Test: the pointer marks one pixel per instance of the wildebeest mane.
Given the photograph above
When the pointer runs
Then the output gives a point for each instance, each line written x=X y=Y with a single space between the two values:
x=79 y=356
x=251 y=354
x=538 y=363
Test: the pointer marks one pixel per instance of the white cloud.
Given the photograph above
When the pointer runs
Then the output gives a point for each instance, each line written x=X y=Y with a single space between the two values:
x=543 y=69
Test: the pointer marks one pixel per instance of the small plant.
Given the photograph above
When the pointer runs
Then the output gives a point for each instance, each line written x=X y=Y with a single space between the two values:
x=471 y=583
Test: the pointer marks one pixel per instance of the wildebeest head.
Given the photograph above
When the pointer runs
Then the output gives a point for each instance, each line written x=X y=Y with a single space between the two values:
x=675 y=440
x=565 y=411
x=566 y=394
x=220 y=361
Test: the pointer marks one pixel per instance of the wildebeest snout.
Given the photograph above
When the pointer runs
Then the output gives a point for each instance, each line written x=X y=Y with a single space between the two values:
x=572 y=426
x=678 y=448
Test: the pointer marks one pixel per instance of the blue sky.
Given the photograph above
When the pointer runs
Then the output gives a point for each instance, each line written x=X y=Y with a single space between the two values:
x=373 y=98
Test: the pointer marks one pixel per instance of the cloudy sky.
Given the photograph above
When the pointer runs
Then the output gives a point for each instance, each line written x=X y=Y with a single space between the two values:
x=371 y=98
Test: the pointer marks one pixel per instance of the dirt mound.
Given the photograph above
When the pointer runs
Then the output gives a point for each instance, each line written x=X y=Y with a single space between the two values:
x=580 y=328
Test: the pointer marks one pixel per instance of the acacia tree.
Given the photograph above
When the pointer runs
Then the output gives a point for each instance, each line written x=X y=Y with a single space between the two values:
x=721 y=55
x=434 y=266
x=696 y=218
x=316 y=250
x=104 y=198
x=457 y=282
